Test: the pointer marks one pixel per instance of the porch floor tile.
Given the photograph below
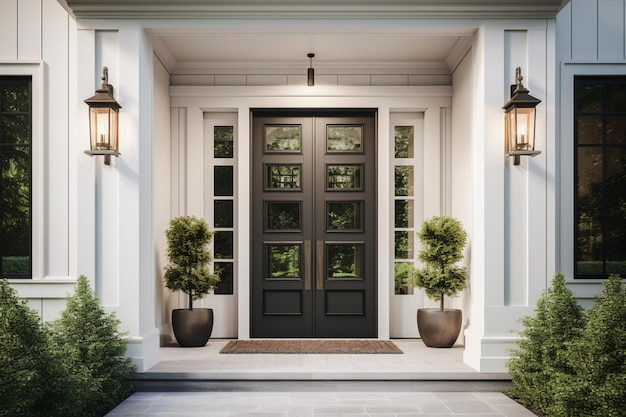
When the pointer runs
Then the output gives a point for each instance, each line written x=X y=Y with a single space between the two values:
x=418 y=362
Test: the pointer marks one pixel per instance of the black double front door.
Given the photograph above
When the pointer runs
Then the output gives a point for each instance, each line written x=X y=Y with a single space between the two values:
x=313 y=271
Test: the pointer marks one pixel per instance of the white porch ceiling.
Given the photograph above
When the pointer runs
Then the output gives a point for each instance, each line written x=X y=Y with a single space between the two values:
x=428 y=36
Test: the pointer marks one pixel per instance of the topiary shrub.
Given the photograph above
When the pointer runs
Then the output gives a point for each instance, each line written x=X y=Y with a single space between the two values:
x=542 y=351
x=443 y=239
x=188 y=238
x=93 y=345
x=597 y=388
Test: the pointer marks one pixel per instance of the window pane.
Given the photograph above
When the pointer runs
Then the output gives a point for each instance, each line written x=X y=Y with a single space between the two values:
x=223 y=180
x=15 y=129
x=282 y=138
x=344 y=260
x=283 y=216
x=588 y=98
x=404 y=181
x=404 y=245
x=616 y=130
x=15 y=241
x=589 y=196
x=403 y=141
x=223 y=213
x=225 y=285
x=223 y=245
x=15 y=95
x=403 y=213
x=616 y=98
x=344 y=215
x=223 y=140
x=283 y=177
x=589 y=129
x=283 y=261
x=344 y=139
x=615 y=233
x=344 y=177
x=401 y=273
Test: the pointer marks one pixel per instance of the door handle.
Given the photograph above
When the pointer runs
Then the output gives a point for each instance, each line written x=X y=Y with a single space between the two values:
x=319 y=265
x=307 y=264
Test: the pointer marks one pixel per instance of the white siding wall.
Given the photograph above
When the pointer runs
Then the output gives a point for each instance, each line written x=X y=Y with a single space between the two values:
x=39 y=34
x=591 y=40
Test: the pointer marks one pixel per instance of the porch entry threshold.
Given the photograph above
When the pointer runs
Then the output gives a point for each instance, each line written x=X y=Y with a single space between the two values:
x=316 y=346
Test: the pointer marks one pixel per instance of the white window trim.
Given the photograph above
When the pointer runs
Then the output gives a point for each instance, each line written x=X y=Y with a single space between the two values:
x=566 y=184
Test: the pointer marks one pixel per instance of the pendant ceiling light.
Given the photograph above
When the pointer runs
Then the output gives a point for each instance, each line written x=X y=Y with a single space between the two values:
x=310 y=80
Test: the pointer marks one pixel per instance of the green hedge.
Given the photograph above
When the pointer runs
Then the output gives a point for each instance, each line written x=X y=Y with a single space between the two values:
x=75 y=366
x=571 y=363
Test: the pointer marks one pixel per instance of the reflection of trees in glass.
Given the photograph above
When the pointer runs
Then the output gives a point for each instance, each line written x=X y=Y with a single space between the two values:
x=15 y=186
x=600 y=105
x=284 y=176
x=344 y=215
x=225 y=272
x=284 y=261
x=223 y=140
x=344 y=261
x=223 y=245
x=344 y=138
x=223 y=213
x=401 y=275
x=223 y=180
x=282 y=138
x=403 y=213
x=404 y=180
x=283 y=216
x=403 y=136
x=344 y=176
x=403 y=245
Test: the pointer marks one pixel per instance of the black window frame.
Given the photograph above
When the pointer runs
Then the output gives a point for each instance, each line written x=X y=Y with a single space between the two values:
x=7 y=80
x=603 y=147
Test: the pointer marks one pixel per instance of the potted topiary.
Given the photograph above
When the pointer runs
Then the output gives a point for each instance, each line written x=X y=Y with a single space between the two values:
x=187 y=241
x=443 y=239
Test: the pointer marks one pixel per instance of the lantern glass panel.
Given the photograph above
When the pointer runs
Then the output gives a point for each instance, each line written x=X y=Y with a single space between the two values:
x=103 y=128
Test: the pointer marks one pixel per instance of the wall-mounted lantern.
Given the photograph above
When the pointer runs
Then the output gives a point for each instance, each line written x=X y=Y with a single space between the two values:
x=519 y=121
x=103 y=121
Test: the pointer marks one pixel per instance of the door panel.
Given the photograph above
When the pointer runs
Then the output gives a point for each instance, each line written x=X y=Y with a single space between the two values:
x=313 y=238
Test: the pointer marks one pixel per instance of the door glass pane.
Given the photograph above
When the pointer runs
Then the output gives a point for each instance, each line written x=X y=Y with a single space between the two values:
x=404 y=245
x=223 y=141
x=223 y=245
x=344 y=177
x=344 y=215
x=344 y=139
x=223 y=213
x=223 y=180
x=345 y=260
x=403 y=137
x=283 y=215
x=404 y=181
x=283 y=177
x=403 y=213
x=282 y=138
x=283 y=261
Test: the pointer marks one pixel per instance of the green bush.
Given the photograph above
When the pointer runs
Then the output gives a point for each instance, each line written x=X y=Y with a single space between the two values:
x=75 y=366
x=542 y=350
x=597 y=387
x=32 y=371
x=92 y=343
x=15 y=265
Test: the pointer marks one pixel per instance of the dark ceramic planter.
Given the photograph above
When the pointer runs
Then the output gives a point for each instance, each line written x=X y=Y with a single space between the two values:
x=192 y=328
x=439 y=328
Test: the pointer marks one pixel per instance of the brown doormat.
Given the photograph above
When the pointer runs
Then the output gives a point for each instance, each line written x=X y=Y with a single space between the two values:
x=310 y=346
